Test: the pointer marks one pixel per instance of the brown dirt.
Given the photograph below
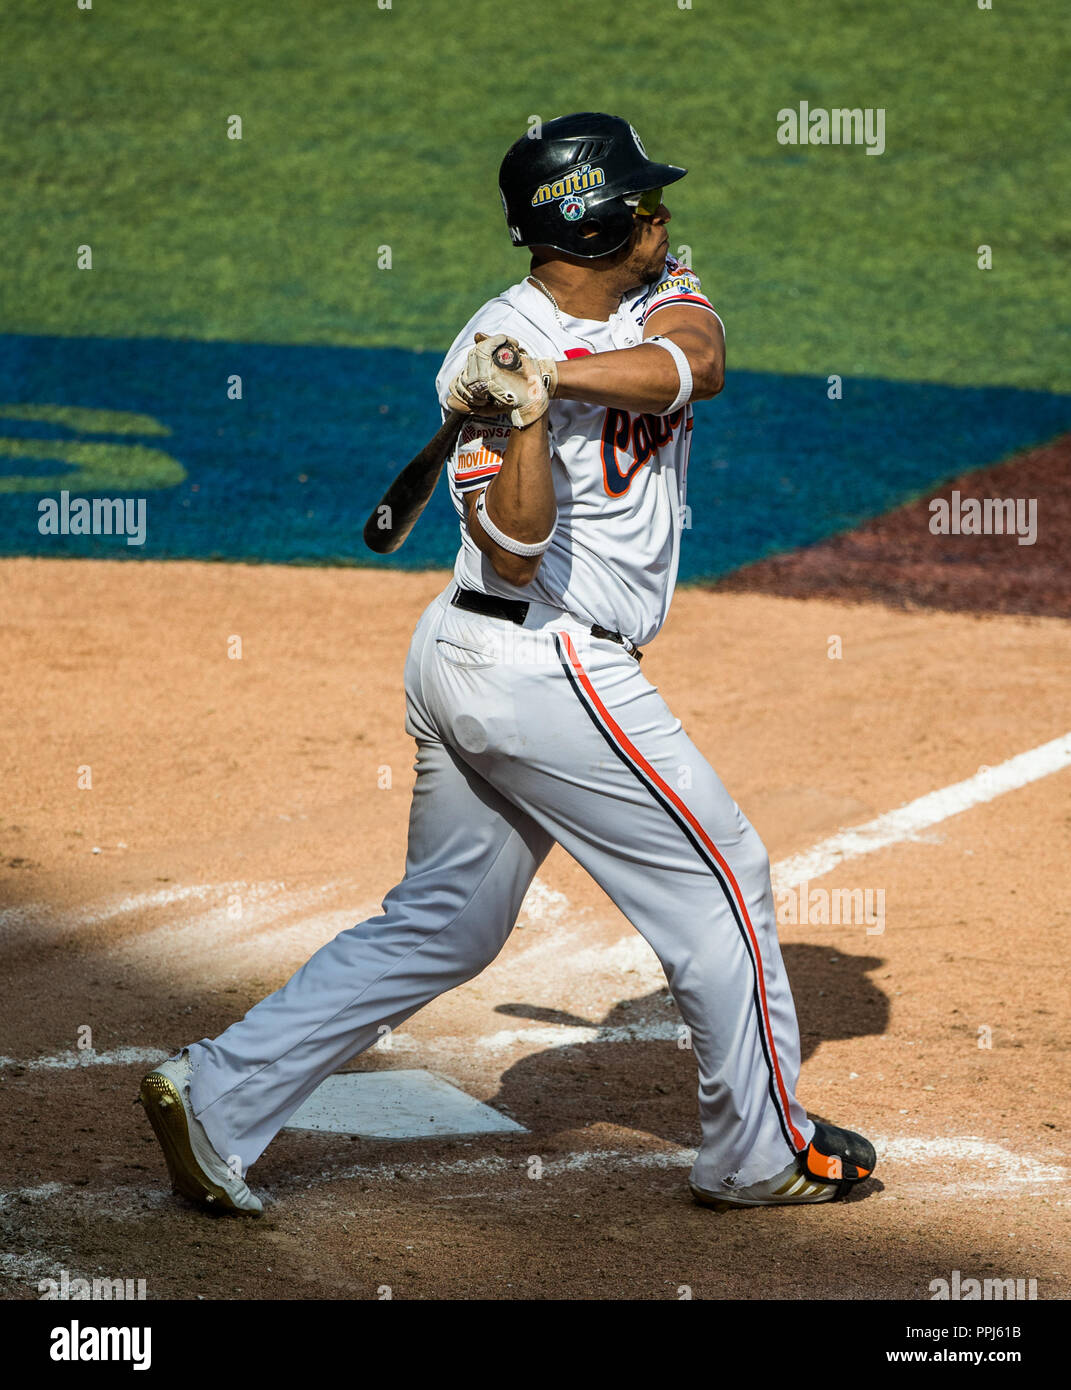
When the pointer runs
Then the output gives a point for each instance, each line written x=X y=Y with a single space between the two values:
x=211 y=776
x=895 y=559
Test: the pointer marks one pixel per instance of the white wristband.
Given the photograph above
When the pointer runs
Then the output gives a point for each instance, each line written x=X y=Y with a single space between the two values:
x=507 y=542
x=684 y=371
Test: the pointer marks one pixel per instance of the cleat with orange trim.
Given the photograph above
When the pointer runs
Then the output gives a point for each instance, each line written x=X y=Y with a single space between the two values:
x=838 y=1155
x=831 y=1164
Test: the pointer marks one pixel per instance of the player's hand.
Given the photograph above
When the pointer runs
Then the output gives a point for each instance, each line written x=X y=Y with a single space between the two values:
x=548 y=369
x=522 y=392
x=471 y=386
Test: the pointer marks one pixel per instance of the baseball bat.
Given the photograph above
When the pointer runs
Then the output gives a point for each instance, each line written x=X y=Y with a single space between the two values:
x=400 y=506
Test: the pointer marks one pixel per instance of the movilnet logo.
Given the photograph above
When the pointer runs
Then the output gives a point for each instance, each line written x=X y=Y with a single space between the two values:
x=988 y=516
x=78 y=1343
x=814 y=125
x=976 y=1290
x=103 y=516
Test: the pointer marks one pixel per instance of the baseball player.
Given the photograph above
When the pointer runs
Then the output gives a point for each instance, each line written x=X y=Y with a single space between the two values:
x=533 y=720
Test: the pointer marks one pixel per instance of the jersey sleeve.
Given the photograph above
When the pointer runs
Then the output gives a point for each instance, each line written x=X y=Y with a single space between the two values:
x=479 y=452
x=678 y=285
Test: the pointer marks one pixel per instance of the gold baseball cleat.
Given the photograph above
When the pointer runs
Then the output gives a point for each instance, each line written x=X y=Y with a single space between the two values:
x=196 y=1170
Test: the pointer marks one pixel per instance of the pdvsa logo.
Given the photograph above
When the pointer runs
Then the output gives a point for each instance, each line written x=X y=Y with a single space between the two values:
x=576 y=181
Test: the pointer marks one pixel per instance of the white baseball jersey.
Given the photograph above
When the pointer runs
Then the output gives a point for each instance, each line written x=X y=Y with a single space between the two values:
x=619 y=478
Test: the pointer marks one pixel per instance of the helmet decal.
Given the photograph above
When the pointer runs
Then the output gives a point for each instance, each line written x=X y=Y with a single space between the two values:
x=639 y=142
x=572 y=209
x=574 y=182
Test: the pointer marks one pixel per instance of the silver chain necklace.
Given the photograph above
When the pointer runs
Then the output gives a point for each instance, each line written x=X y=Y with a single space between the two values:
x=558 y=314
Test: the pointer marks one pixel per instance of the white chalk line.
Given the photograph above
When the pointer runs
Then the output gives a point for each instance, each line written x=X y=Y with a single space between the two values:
x=76 y=1057
x=572 y=1035
x=973 y=1166
x=954 y=1167
x=631 y=955
x=33 y=1267
x=43 y=914
x=537 y=1038
x=242 y=912
x=910 y=820
x=29 y=1195
x=258 y=903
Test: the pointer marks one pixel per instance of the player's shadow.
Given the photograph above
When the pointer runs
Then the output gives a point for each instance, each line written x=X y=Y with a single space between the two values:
x=637 y=1071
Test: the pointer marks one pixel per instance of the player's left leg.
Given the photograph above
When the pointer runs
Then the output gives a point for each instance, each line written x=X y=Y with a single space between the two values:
x=471 y=858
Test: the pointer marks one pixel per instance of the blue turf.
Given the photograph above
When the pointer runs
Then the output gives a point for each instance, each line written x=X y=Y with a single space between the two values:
x=775 y=464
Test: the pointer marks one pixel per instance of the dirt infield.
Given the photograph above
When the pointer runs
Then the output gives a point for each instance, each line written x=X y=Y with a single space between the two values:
x=940 y=1035
x=897 y=559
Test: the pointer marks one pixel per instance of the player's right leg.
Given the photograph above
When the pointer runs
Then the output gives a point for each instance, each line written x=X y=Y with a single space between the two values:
x=471 y=857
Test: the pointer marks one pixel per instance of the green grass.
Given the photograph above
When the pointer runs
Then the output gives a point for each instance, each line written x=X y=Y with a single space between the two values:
x=365 y=127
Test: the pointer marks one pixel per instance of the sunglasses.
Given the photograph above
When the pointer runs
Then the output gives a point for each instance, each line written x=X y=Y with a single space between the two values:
x=649 y=203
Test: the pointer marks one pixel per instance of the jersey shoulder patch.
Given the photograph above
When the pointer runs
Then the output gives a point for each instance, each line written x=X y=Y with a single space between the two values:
x=677 y=285
x=676 y=272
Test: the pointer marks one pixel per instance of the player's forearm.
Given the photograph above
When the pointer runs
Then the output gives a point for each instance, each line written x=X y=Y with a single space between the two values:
x=644 y=378
x=641 y=379
x=519 y=501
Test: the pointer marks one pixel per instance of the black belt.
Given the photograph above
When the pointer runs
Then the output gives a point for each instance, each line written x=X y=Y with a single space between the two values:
x=515 y=610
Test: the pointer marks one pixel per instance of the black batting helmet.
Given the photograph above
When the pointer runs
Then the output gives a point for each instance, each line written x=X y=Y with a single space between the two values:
x=568 y=187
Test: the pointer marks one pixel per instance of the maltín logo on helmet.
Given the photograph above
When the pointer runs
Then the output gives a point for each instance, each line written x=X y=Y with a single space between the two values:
x=577 y=181
x=573 y=209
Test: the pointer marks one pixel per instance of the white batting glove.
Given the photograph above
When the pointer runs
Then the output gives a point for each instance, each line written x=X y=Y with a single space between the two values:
x=522 y=393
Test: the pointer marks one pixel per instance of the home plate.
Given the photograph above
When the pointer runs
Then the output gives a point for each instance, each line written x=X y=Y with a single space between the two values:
x=397 y=1105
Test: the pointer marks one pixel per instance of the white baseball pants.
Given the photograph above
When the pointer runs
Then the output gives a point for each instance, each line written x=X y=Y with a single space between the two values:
x=526 y=736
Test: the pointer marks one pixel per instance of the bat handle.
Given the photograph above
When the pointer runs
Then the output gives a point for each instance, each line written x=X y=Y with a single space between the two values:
x=507 y=358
